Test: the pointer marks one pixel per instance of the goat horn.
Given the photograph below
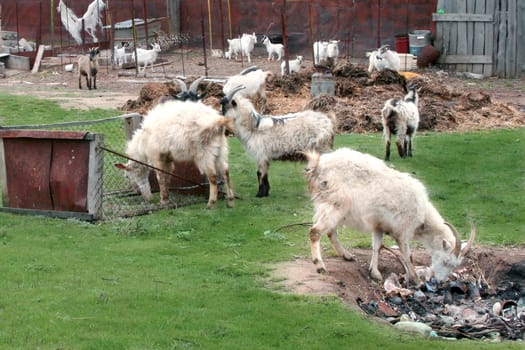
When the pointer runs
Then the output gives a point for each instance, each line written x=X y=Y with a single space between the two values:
x=457 y=247
x=195 y=85
x=232 y=92
x=469 y=242
x=182 y=85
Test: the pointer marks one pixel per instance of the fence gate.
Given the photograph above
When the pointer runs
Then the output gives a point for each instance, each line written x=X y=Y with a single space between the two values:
x=481 y=36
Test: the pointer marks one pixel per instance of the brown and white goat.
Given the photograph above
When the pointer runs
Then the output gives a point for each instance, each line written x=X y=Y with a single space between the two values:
x=401 y=118
x=361 y=192
x=176 y=131
x=88 y=67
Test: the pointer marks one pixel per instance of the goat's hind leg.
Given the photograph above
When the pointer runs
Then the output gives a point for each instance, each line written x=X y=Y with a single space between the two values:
x=377 y=242
x=230 y=196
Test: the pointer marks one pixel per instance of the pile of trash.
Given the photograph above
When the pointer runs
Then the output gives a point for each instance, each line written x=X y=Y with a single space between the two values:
x=465 y=306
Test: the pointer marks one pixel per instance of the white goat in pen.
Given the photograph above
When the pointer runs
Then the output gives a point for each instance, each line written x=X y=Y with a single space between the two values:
x=361 y=192
x=273 y=49
x=383 y=58
x=146 y=57
x=326 y=52
x=175 y=131
x=120 y=55
x=272 y=137
x=243 y=45
x=401 y=118
x=294 y=65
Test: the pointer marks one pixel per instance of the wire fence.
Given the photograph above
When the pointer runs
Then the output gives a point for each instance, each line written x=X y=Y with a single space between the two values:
x=119 y=199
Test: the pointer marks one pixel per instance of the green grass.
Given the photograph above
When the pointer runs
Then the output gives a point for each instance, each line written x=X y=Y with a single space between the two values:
x=193 y=278
x=27 y=110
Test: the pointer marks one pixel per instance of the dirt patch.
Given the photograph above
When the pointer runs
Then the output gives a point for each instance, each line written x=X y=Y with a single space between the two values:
x=447 y=102
x=498 y=274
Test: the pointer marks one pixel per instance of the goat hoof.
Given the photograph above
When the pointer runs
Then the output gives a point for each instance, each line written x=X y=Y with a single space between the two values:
x=321 y=270
x=349 y=257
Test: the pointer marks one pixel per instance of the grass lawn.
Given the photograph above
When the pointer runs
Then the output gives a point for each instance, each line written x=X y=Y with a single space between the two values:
x=193 y=278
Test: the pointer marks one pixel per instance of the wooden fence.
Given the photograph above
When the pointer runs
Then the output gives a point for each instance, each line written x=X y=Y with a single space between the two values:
x=481 y=36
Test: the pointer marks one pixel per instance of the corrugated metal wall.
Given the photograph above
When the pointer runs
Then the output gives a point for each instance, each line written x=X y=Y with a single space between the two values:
x=360 y=24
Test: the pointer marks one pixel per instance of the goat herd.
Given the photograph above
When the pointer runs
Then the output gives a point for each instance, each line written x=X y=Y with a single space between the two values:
x=347 y=187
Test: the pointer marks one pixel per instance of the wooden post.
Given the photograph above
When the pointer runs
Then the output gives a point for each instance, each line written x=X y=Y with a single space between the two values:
x=222 y=25
x=145 y=10
x=203 y=34
x=285 y=38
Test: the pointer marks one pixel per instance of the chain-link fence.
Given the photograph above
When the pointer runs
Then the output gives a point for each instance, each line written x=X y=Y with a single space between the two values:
x=118 y=198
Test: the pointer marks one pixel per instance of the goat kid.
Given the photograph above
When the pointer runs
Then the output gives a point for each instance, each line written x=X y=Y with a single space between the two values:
x=88 y=67
x=176 y=131
x=293 y=65
x=273 y=49
x=147 y=57
x=383 y=58
x=401 y=118
x=361 y=192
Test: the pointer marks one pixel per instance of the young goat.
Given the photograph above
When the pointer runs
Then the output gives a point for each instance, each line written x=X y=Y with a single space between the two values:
x=361 y=192
x=88 y=67
x=179 y=131
x=383 y=58
x=401 y=118
x=273 y=49
x=146 y=57
x=120 y=55
x=294 y=65
x=326 y=52
x=272 y=137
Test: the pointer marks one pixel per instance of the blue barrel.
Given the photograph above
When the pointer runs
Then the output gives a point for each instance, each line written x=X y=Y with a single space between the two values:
x=417 y=40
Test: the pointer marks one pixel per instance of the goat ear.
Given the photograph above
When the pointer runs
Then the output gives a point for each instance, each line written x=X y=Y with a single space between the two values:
x=121 y=166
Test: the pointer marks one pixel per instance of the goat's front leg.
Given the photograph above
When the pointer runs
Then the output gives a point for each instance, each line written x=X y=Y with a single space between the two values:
x=262 y=176
x=95 y=82
x=377 y=241
x=341 y=251
x=404 y=249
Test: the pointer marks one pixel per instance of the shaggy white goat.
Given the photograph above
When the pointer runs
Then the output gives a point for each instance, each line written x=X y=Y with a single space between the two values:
x=401 y=118
x=176 y=131
x=361 y=192
x=273 y=49
x=294 y=65
x=91 y=18
x=383 y=58
x=272 y=137
x=326 y=52
x=243 y=45
x=88 y=67
x=147 y=57
x=320 y=51
x=254 y=80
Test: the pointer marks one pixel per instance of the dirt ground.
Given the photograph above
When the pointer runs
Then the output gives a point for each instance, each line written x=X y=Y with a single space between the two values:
x=447 y=102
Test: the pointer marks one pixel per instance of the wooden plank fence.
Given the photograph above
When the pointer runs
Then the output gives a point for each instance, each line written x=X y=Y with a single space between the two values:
x=481 y=36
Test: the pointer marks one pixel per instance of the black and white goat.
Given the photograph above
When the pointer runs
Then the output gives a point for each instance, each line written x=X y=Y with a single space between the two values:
x=401 y=118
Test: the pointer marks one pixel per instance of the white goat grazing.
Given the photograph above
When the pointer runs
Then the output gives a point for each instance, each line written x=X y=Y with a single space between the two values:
x=176 y=131
x=88 y=67
x=401 y=118
x=254 y=80
x=294 y=65
x=147 y=57
x=272 y=137
x=273 y=49
x=361 y=192
x=383 y=58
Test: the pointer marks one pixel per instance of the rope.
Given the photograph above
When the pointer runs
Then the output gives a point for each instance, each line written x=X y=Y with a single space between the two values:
x=155 y=168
